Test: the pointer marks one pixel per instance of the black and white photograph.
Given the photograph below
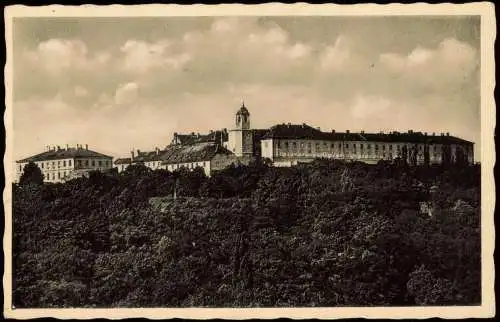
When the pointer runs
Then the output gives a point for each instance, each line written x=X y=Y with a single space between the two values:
x=178 y=159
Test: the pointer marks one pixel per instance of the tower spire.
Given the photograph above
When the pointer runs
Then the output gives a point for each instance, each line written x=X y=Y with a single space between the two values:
x=242 y=102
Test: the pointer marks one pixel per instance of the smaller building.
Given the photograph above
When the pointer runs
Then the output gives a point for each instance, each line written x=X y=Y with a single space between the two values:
x=61 y=164
x=208 y=156
x=122 y=163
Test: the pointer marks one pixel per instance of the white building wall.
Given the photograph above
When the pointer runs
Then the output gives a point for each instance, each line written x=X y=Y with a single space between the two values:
x=267 y=149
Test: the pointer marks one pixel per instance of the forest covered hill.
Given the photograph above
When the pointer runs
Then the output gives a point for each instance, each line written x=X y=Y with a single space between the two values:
x=322 y=234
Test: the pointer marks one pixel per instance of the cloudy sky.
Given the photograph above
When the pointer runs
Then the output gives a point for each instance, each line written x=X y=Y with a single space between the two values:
x=123 y=83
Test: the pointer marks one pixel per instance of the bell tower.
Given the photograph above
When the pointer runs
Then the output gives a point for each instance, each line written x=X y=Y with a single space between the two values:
x=243 y=118
x=240 y=140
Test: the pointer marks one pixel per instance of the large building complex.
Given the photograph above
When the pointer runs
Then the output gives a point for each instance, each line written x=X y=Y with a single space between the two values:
x=290 y=144
x=282 y=144
x=61 y=164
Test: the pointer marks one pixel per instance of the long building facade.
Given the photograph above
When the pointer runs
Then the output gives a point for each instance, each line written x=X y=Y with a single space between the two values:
x=61 y=164
x=290 y=144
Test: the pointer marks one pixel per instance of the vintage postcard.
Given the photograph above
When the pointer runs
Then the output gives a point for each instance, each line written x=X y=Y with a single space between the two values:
x=249 y=161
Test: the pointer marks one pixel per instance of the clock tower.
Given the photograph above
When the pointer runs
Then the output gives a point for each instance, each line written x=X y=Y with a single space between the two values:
x=240 y=140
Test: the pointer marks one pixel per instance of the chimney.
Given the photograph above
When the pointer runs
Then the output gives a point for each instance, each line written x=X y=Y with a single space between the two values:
x=362 y=132
x=132 y=155
x=157 y=151
x=289 y=124
x=333 y=131
x=58 y=148
x=447 y=133
x=318 y=128
x=67 y=147
x=433 y=133
x=347 y=131
x=86 y=146
x=138 y=152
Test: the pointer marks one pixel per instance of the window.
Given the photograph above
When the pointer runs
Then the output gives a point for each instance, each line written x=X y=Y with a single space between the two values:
x=369 y=146
x=390 y=147
x=20 y=168
x=286 y=145
x=64 y=163
x=42 y=165
x=58 y=164
x=340 y=145
x=347 y=145
x=69 y=163
x=53 y=164
x=100 y=163
x=86 y=163
x=354 y=146
x=333 y=146
x=376 y=146
x=59 y=175
x=361 y=146
x=383 y=147
x=93 y=163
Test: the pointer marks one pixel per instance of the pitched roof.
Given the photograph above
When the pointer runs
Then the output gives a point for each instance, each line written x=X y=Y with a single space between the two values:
x=123 y=161
x=147 y=156
x=192 y=153
x=304 y=131
x=194 y=138
x=68 y=153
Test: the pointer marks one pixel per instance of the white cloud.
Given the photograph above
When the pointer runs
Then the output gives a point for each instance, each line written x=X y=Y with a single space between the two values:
x=80 y=91
x=370 y=106
x=56 y=55
x=451 y=61
x=142 y=56
x=127 y=93
x=336 y=57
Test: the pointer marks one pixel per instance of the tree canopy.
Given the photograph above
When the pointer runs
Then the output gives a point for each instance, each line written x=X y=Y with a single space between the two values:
x=31 y=175
x=327 y=233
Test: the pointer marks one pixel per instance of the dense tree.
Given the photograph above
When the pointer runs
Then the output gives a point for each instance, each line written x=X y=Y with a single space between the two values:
x=326 y=233
x=31 y=175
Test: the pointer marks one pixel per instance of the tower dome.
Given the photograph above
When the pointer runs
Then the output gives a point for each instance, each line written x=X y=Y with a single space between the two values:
x=243 y=118
x=243 y=110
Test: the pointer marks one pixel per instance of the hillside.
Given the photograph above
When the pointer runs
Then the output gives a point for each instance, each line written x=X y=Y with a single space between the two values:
x=323 y=234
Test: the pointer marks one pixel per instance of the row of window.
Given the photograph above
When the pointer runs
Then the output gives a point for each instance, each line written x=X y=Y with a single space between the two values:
x=52 y=176
x=47 y=164
x=293 y=145
x=375 y=154
x=93 y=163
x=153 y=164
x=191 y=165
x=68 y=163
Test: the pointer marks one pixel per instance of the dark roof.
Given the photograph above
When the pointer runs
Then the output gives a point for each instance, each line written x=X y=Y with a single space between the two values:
x=192 y=153
x=57 y=154
x=194 y=138
x=147 y=156
x=304 y=131
x=123 y=161
x=243 y=110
